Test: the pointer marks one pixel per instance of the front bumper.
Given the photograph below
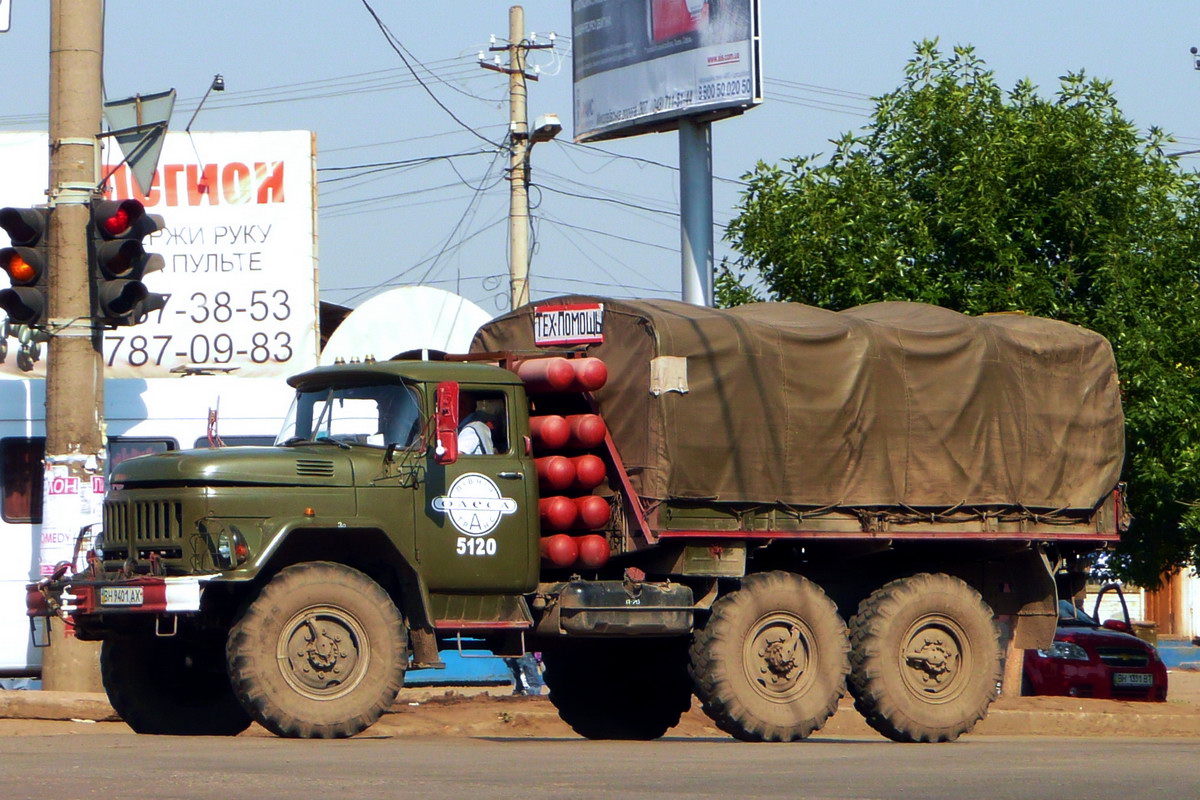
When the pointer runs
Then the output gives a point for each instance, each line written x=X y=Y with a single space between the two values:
x=74 y=597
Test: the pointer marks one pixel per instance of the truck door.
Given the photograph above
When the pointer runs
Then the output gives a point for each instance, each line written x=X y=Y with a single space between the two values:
x=477 y=525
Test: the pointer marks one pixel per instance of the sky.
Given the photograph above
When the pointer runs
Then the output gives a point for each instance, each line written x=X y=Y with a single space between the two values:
x=605 y=216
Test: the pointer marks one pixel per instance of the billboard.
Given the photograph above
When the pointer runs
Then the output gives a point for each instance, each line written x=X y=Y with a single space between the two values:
x=239 y=245
x=641 y=65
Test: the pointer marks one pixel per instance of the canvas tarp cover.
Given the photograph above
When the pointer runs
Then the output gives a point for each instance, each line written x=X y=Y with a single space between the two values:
x=889 y=404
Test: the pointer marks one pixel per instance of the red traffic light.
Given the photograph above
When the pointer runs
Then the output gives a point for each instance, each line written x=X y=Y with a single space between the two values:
x=117 y=218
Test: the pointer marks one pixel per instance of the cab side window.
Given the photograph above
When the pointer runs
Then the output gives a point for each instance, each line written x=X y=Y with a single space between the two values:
x=483 y=423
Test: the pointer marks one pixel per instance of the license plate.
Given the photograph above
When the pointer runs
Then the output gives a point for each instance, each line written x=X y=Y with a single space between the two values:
x=1133 y=679
x=120 y=595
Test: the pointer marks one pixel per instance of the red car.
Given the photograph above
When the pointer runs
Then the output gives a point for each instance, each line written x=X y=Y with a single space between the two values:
x=1088 y=659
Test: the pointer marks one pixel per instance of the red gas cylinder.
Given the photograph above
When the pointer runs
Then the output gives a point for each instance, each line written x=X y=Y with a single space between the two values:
x=550 y=432
x=586 y=430
x=589 y=471
x=593 y=551
x=558 y=513
x=560 y=550
x=590 y=374
x=592 y=511
x=555 y=473
x=546 y=374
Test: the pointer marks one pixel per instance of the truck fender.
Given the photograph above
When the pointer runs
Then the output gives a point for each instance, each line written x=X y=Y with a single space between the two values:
x=289 y=532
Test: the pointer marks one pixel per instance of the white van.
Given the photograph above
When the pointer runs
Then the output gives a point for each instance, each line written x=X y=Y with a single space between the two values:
x=142 y=416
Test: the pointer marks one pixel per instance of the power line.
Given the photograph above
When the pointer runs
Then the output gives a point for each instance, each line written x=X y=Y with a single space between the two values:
x=394 y=43
x=386 y=166
x=811 y=87
x=587 y=256
x=395 y=279
x=593 y=150
x=558 y=222
x=438 y=135
x=446 y=247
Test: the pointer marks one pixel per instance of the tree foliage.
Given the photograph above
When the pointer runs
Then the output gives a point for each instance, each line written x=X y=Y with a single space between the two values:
x=962 y=195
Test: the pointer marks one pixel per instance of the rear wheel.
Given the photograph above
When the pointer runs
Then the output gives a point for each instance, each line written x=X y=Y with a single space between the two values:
x=619 y=689
x=171 y=685
x=926 y=658
x=320 y=653
x=770 y=665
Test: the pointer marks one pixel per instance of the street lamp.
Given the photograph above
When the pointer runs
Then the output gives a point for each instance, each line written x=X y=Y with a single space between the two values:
x=217 y=85
x=547 y=127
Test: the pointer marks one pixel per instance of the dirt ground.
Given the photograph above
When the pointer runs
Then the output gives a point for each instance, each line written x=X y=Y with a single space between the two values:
x=494 y=712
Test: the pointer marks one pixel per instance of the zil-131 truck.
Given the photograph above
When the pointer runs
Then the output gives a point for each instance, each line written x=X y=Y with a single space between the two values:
x=761 y=507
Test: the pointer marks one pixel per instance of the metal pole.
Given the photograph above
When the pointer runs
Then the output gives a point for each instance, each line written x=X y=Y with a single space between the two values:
x=518 y=197
x=696 y=211
x=74 y=365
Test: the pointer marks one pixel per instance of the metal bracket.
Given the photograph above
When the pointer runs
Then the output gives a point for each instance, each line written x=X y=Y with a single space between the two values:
x=77 y=327
x=87 y=141
x=71 y=193
x=158 y=626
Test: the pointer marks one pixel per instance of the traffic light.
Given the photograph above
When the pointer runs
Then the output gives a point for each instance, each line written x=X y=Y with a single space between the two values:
x=25 y=262
x=117 y=262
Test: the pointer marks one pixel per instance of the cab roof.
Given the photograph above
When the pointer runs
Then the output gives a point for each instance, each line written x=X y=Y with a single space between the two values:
x=405 y=369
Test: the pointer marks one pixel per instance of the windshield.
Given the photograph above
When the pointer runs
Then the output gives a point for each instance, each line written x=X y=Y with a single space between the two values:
x=372 y=414
x=1067 y=612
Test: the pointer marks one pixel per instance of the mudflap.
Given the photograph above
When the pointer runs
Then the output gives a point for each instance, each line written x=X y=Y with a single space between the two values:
x=1022 y=587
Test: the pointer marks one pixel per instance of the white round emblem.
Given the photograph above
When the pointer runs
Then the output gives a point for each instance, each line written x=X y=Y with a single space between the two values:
x=474 y=505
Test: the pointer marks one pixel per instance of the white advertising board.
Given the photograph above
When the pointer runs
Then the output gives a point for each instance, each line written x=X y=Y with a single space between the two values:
x=239 y=248
x=640 y=65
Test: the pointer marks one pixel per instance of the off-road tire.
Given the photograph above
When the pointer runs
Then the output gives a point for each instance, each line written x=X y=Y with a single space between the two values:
x=619 y=689
x=320 y=653
x=925 y=658
x=174 y=686
x=770 y=664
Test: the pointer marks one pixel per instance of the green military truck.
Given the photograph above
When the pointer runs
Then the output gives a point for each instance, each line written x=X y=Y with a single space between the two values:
x=675 y=501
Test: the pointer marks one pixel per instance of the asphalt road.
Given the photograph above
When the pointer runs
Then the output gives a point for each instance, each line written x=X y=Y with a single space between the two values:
x=997 y=768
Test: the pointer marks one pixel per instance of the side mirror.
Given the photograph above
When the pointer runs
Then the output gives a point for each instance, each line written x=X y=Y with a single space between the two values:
x=1117 y=625
x=445 y=423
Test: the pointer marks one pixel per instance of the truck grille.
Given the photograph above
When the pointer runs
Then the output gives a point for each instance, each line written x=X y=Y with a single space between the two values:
x=1122 y=656
x=143 y=522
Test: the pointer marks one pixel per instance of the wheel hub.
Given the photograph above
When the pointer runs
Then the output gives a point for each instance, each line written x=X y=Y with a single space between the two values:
x=777 y=656
x=936 y=658
x=322 y=652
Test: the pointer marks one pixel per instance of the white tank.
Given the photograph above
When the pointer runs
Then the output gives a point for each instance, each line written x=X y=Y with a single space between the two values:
x=403 y=319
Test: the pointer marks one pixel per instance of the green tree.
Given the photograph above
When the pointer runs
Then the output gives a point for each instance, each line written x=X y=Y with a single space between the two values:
x=962 y=195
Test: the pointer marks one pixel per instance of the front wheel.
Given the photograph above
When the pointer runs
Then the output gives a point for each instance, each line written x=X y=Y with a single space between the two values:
x=171 y=685
x=770 y=665
x=320 y=653
x=925 y=658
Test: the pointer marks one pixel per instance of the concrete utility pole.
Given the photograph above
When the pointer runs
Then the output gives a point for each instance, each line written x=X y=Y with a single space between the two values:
x=518 y=130
x=518 y=193
x=75 y=364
